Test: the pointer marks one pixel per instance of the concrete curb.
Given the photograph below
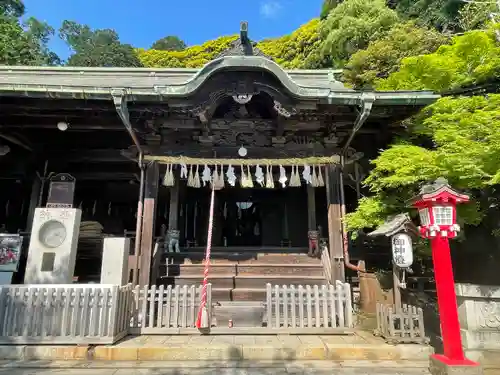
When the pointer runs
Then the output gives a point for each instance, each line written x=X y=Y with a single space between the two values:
x=218 y=352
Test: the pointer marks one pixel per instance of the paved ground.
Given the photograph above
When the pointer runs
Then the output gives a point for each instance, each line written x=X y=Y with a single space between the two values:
x=358 y=346
x=219 y=368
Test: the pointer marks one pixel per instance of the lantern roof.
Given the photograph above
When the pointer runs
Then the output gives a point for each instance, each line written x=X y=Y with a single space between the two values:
x=439 y=191
x=395 y=224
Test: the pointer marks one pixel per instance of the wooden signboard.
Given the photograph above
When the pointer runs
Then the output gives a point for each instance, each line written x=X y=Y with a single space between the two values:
x=61 y=191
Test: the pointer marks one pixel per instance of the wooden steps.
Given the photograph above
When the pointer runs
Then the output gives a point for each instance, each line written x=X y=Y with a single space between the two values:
x=236 y=269
x=242 y=274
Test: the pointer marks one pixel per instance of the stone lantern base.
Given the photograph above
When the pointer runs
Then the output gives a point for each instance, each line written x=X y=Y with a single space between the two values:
x=440 y=365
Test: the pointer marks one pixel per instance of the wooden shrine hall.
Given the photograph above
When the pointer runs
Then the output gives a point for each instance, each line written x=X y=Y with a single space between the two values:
x=287 y=150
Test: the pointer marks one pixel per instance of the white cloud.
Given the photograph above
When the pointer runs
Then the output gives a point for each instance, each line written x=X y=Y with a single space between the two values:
x=269 y=8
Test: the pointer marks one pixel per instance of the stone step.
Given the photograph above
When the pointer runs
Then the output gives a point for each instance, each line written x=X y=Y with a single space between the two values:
x=260 y=281
x=242 y=314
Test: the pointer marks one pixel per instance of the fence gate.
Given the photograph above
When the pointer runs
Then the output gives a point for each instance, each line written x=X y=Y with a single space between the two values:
x=317 y=309
x=167 y=310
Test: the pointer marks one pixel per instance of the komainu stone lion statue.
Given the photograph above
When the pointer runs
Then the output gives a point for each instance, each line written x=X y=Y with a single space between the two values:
x=314 y=250
x=173 y=240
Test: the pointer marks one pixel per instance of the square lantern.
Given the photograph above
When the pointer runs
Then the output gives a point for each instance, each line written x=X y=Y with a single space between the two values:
x=436 y=206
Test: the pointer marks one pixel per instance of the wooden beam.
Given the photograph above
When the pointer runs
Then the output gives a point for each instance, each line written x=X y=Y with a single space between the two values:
x=34 y=198
x=311 y=207
x=335 y=235
x=148 y=223
x=173 y=214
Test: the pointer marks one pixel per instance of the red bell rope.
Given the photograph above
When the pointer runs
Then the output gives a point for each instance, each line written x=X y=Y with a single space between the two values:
x=200 y=322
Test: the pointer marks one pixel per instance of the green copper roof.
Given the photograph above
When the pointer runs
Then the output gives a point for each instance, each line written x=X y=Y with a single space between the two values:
x=160 y=84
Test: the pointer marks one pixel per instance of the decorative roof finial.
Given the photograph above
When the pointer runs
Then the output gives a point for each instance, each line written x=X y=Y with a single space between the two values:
x=243 y=46
x=244 y=32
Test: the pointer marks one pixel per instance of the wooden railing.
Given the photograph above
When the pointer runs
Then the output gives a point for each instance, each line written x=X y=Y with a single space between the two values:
x=327 y=263
x=308 y=309
x=168 y=310
x=64 y=314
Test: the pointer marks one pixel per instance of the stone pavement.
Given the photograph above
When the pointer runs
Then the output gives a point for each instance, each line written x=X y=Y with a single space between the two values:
x=217 y=368
x=359 y=346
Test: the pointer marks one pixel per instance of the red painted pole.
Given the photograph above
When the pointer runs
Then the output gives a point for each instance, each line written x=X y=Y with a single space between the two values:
x=447 y=299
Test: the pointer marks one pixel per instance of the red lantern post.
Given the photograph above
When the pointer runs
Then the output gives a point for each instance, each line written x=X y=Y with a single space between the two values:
x=436 y=205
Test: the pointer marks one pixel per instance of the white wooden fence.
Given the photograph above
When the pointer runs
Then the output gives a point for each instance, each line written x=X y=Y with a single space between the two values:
x=64 y=314
x=321 y=309
x=167 y=310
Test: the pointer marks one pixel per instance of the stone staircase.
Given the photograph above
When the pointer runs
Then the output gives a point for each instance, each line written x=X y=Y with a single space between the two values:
x=241 y=274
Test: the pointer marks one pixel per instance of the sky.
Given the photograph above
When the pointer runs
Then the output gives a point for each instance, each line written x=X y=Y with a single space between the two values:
x=194 y=21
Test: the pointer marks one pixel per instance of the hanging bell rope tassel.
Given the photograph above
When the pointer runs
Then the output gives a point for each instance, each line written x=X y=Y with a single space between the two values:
x=203 y=319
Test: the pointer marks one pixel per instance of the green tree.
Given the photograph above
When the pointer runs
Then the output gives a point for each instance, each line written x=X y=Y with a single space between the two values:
x=169 y=43
x=23 y=44
x=299 y=50
x=441 y=14
x=327 y=6
x=471 y=58
x=352 y=25
x=475 y=15
x=383 y=56
x=12 y=8
x=462 y=136
x=40 y=33
x=97 y=48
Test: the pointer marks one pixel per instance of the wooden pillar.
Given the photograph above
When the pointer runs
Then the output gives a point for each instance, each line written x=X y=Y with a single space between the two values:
x=34 y=200
x=311 y=207
x=148 y=222
x=173 y=213
x=335 y=237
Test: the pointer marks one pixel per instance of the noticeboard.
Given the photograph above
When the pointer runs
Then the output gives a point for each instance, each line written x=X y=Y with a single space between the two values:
x=10 y=252
x=61 y=191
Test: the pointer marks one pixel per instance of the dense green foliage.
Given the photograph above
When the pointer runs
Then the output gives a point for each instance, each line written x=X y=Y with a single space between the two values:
x=352 y=25
x=23 y=44
x=299 y=50
x=471 y=58
x=465 y=137
x=441 y=14
x=169 y=43
x=191 y=57
x=383 y=56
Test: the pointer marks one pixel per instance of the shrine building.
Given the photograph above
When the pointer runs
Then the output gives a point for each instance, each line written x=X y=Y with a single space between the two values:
x=288 y=150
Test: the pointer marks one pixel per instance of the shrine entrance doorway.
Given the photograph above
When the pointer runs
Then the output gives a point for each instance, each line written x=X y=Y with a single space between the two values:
x=247 y=218
x=239 y=218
